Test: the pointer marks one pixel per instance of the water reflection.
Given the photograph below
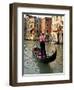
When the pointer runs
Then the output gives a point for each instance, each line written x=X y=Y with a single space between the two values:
x=33 y=66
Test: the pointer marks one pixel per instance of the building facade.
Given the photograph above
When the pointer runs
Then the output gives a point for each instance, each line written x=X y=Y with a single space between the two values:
x=57 y=28
x=50 y=26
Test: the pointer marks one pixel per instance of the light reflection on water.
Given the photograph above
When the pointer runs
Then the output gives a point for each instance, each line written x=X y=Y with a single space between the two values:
x=32 y=66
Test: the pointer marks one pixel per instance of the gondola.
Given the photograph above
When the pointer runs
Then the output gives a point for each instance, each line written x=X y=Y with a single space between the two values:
x=49 y=58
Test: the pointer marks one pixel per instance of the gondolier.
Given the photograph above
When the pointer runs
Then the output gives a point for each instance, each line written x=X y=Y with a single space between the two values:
x=42 y=45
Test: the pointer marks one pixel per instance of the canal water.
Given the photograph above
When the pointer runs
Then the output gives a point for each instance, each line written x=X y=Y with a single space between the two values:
x=33 y=66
